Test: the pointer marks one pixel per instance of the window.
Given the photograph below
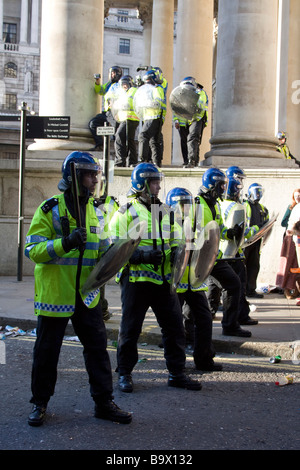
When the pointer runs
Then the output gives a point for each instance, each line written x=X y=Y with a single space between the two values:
x=123 y=16
x=10 y=101
x=124 y=46
x=10 y=33
x=10 y=70
x=125 y=71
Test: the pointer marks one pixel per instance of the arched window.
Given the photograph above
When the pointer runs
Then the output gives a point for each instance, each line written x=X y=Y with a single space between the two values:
x=10 y=70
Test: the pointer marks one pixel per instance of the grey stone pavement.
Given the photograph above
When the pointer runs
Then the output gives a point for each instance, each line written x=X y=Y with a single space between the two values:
x=278 y=328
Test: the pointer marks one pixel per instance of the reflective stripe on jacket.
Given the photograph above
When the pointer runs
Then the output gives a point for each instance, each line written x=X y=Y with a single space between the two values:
x=166 y=237
x=128 y=112
x=55 y=270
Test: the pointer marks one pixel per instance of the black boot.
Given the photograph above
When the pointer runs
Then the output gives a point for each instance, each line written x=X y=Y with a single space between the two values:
x=37 y=415
x=125 y=383
x=109 y=410
x=237 y=332
x=183 y=381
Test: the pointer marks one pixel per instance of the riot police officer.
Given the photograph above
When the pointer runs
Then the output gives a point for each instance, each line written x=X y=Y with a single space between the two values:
x=228 y=206
x=213 y=188
x=123 y=111
x=65 y=240
x=191 y=130
x=145 y=280
x=150 y=106
x=257 y=214
x=105 y=90
x=196 y=313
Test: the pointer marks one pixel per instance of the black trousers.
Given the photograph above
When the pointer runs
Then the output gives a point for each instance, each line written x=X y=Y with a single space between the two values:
x=231 y=284
x=190 y=140
x=150 y=139
x=137 y=297
x=89 y=327
x=215 y=291
x=252 y=255
x=125 y=143
x=98 y=121
x=198 y=325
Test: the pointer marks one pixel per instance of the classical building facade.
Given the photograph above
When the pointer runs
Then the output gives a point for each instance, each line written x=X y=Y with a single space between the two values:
x=244 y=52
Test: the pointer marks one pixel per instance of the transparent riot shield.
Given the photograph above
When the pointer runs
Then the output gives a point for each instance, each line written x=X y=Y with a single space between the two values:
x=182 y=255
x=263 y=232
x=144 y=101
x=184 y=102
x=114 y=259
x=205 y=250
x=237 y=216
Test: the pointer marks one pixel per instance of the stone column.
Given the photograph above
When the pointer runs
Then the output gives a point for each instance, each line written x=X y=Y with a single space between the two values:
x=162 y=56
x=34 y=22
x=293 y=89
x=194 y=55
x=24 y=22
x=1 y=21
x=71 y=52
x=245 y=85
x=145 y=14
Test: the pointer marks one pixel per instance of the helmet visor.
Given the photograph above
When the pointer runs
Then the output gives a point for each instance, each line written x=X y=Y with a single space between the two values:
x=89 y=167
x=154 y=184
x=256 y=193
x=234 y=191
x=83 y=168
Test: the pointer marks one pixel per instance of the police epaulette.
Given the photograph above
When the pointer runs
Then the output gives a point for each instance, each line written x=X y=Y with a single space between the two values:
x=49 y=204
x=125 y=207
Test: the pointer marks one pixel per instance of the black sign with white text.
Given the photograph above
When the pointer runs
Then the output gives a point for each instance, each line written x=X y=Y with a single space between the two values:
x=47 y=127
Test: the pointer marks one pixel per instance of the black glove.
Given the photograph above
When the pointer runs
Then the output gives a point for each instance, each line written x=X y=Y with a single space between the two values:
x=146 y=257
x=236 y=231
x=152 y=257
x=76 y=239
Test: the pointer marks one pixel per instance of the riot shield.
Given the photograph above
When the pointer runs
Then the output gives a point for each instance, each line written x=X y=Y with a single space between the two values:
x=120 y=104
x=263 y=232
x=114 y=259
x=266 y=236
x=184 y=102
x=143 y=101
x=237 y=216
x=205 y=253
x=182 y=255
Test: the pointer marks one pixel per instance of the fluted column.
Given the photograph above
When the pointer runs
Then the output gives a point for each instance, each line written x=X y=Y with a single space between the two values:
x=194 y=55
x=24 y=22
x=1 y=21
x=145 y=14
x=34 y=22
x=245 y=84
x=162 y=56
x=71 y=52
x=293 y=89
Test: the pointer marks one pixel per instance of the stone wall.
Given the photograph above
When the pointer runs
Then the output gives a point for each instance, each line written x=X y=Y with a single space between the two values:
x=42 y=176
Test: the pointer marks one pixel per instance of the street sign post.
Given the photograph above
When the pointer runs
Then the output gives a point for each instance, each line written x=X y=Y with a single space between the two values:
x=21 y=191
x=106 y=132
x=33 y=127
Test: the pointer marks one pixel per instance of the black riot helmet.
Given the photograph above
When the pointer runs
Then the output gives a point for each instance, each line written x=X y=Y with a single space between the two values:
x=117 y=73
x=150 y=77
x=126 y=80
